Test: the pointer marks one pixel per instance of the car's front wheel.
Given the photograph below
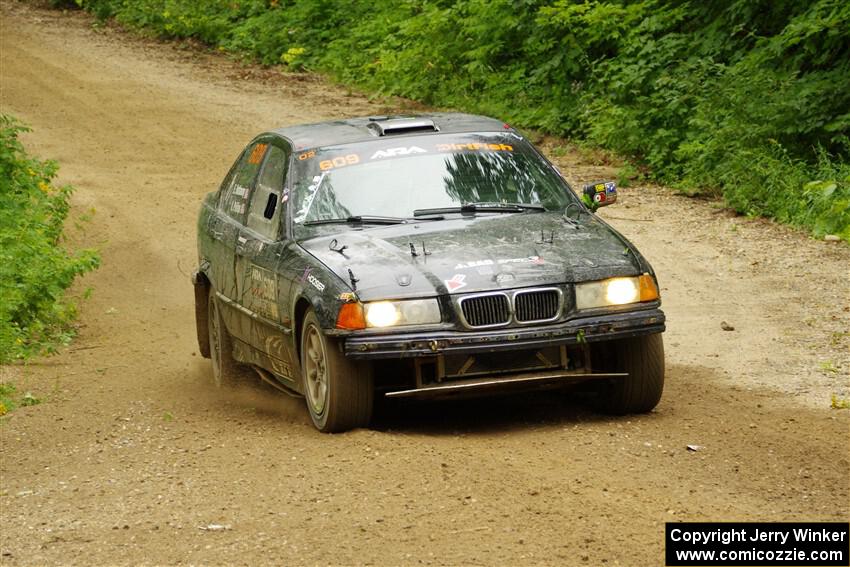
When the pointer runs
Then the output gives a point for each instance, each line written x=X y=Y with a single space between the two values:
x=339 y=392
x=643 y=359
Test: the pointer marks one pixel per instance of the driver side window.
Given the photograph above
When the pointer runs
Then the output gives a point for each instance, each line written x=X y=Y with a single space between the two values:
x=267 y=202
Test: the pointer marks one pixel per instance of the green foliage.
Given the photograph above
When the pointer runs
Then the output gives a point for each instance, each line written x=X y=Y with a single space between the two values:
x=744 y=98
x=9 y=399
x=7 y=402
x=35 y=270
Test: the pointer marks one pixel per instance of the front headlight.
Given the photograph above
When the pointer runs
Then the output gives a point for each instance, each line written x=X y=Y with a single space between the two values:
x=408 y=312
x=616 y=291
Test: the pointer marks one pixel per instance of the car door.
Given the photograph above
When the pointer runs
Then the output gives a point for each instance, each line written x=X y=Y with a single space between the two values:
x=261 y=248
x=226 y=226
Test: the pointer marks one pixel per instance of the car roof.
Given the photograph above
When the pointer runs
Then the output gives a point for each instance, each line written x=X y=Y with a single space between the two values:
x=370 y=128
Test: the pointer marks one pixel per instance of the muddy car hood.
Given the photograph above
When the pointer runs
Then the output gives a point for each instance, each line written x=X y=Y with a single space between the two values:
x=474 y=254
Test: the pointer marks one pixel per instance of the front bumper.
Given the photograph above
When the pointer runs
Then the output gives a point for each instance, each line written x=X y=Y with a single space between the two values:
x=590 y=329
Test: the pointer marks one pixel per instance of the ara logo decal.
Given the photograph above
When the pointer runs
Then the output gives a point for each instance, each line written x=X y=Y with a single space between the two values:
x=396 y=152
x=456 y=282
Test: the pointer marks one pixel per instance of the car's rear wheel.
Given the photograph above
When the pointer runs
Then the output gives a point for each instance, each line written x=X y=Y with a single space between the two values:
x=225 y=369
x=643 y=359
x=339 y=392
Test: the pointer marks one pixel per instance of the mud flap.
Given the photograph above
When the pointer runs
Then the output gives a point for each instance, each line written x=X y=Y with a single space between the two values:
x=202 y=289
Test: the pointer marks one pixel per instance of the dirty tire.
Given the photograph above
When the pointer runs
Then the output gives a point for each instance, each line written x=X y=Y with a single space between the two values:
x=643 y=359
x=225 y=369
x=339 y=392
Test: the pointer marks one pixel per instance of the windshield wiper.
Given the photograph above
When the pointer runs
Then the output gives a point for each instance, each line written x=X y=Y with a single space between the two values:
x=481 y=208
x=358 y=219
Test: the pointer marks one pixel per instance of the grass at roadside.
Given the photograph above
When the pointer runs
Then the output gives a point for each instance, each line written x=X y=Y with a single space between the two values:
x=10 y=398
x=36 y=269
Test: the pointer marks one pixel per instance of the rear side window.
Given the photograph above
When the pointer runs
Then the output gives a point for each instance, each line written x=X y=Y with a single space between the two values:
x=266 y=202
x=234 y=200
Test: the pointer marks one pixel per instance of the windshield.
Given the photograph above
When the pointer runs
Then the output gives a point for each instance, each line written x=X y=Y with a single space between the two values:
x=394 y=178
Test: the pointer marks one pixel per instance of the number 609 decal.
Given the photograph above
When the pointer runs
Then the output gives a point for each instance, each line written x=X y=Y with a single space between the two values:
x=339 y=161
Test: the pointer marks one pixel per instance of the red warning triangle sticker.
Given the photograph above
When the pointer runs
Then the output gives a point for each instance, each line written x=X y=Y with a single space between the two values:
x=456 y=282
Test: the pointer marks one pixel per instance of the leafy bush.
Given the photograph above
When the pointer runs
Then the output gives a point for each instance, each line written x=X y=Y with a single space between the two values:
x=744 y=98
x=35 y=270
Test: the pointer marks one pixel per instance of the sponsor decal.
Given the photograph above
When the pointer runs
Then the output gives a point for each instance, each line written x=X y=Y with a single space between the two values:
x=474 y=147
x=281 y=368
x=397 y=152
x=502 y=261
x=456 y=282
x=312 y=189
x=339 y=161
x=474 y=264
x=597 y=194
x=314 y=281
x=263 y=289
x=257 y=154
x=348 y=297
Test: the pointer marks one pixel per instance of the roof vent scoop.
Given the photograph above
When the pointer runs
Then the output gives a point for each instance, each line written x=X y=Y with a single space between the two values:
x=391 y=126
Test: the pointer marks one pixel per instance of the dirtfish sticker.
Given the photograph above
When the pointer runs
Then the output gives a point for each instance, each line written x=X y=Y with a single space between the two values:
x=475 y=146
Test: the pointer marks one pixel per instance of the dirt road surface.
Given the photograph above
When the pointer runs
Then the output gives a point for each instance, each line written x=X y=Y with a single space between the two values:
x=133 y=451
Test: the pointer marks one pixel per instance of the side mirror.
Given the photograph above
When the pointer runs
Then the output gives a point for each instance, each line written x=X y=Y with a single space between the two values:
x=600 y=194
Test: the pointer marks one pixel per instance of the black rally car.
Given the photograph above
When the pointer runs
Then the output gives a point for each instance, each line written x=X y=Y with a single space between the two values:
x=419 y=256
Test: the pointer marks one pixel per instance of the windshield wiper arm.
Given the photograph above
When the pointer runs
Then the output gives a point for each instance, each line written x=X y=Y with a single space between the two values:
x=358 y=219
x=482 y=208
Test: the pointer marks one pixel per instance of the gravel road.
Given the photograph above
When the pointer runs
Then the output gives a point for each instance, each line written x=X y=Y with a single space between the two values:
x=134 y=454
